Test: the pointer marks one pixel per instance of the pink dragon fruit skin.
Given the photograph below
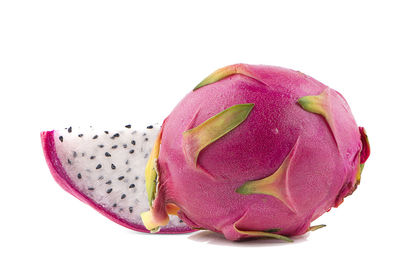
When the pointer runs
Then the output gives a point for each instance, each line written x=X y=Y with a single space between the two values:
x=255 y=151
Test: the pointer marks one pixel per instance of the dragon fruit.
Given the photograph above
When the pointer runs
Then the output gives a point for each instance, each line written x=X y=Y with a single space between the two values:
x=255 y=151
x=105 y=169
x=252 y=151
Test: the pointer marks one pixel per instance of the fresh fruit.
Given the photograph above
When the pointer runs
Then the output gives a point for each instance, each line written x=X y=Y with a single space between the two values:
x=105 y=169
x=255 y=151
x=252 y=151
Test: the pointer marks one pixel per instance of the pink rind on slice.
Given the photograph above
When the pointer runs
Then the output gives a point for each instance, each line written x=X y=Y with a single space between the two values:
x=62 y=178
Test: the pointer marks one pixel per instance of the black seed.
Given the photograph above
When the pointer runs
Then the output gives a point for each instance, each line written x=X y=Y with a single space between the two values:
x=69 y=129
x=92 y=157
x=115 y=205
x=146 y=139
x=123 y=196
x=113 y=166
x=133 y=142
x=90 y=188
x=108 y=182
x=101 y=146
x=79 y=176
x=125 y=145
x=150 y=127
x=95 y=137
x=120 y=209
x=127 y=162
x=180 y=221
x=106 y=132
x=114 y=146
x=131 y=186
x=130 y=209
x=121 y=178
x=109 y=191
x=98 y=166
x=80 y=135
x=83 y=154
x=144 y=134
x=75 y=154
x=136 y=178
x=128 y=126
x=115 y=135
x=131 y=151
x=69 y=162
x=107 y=154
x=146 y=155
x=129 y=169
x=101 y=178
x=61 y=138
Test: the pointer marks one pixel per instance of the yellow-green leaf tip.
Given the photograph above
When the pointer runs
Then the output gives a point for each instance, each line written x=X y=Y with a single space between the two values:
x=311 y=104
x=151 y=171
x=198 y=138
x=266 y=234
x=244 y=190
x=273 y=185
x=316 y=227
x=218 y=75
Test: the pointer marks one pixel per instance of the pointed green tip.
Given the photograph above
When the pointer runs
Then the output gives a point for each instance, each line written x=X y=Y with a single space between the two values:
x=315 y=104
x=284 y=238
x=243 y=190
x=278 y=236
x=221 y=74
x=204 y=82
x=265 y=234
x=314 y=228
x=306 y=102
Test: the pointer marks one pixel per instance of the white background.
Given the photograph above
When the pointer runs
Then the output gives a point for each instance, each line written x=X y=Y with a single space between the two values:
x=68 y=62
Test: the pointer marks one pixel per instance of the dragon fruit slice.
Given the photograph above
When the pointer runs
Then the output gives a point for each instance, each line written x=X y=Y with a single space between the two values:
x=255 y=151
x=105 y=169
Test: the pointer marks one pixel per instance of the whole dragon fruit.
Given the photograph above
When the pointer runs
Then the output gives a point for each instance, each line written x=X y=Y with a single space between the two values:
x=253 y=151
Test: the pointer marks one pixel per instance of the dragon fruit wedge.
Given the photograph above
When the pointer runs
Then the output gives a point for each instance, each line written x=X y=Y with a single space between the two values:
x=252 y=151
x=105 y=169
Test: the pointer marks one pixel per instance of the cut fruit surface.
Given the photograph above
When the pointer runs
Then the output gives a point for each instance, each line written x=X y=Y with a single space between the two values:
x=106 y=169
